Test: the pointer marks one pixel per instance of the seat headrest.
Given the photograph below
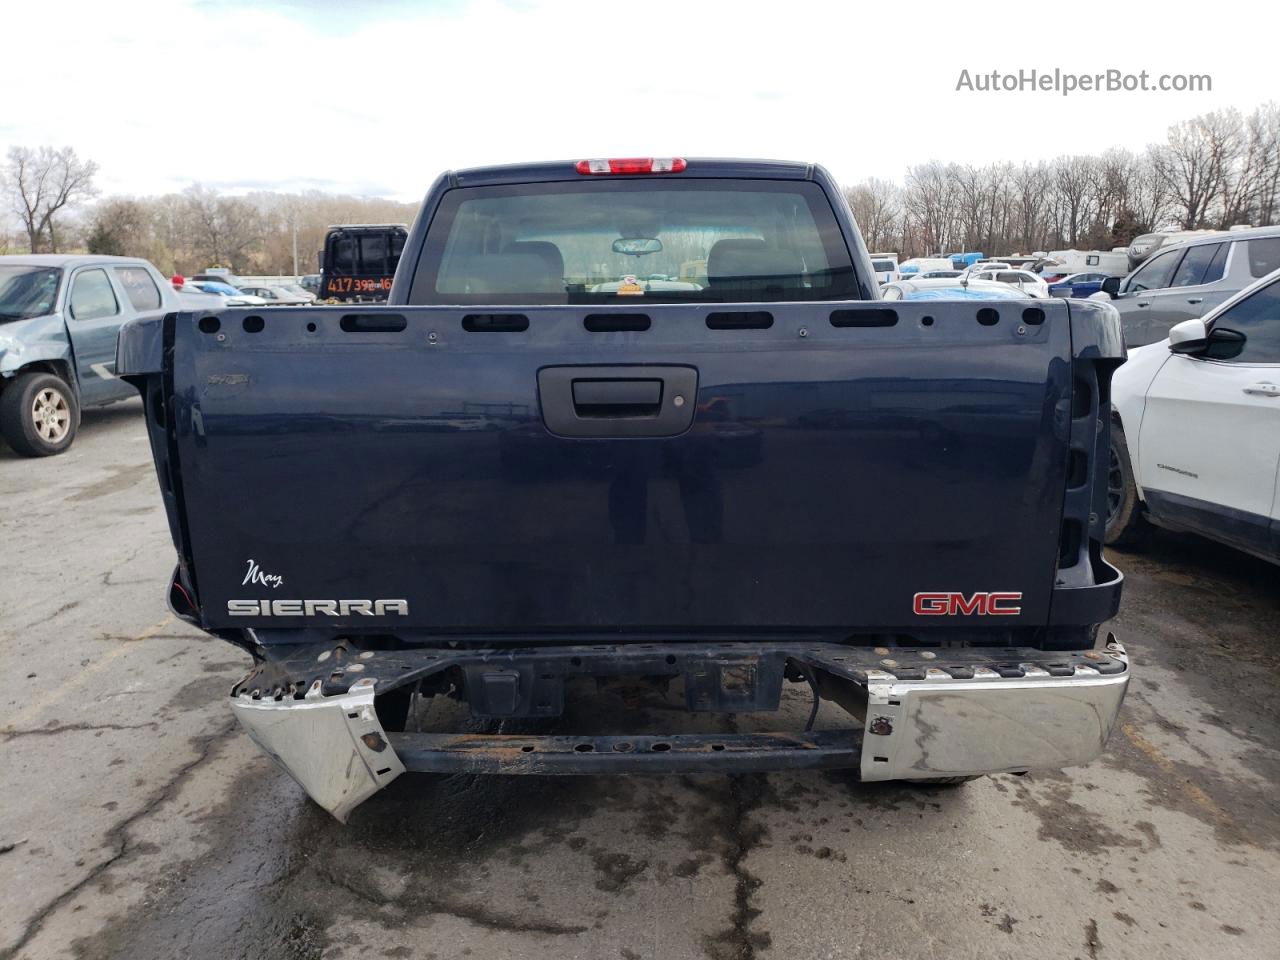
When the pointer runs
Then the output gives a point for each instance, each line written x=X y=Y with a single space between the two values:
x=509 y=272
x=545 y=250
x=750 y=264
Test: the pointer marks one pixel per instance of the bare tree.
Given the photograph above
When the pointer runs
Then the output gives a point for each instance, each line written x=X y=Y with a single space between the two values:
x=1196 y=162
x=971 y=186
x=931 y=199
x=42 y=182
x=1216 y=169
x=876 y=206
x=188 y=232
x=1264 y=137
x=121 y=226
x=1149 y=199
x=1077 y=181
x=1118 y=173
x=1030 y=201
x=224 y=228
x=1252 y=169
x=984 y=205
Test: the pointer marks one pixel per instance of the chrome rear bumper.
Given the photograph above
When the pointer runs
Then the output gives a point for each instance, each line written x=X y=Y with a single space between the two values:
x=944 y=727
x=924 y=714
x=333 y=746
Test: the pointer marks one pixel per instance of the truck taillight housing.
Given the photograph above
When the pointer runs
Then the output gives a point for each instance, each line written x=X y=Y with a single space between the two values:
x=631 y=165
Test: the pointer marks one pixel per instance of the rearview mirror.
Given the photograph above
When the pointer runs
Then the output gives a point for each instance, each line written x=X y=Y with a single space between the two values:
x=637 y=246
x=1190 y=338
x=1111 y=286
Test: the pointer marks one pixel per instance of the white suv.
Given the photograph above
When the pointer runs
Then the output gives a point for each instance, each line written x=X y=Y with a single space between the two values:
x=1196 y=437
x=1029 y=283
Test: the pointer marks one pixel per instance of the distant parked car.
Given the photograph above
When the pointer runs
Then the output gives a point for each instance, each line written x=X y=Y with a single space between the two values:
x=1081 y=286
x=298 y=290
x=59 y=317
x=885 y=266
x=1186 y=280
x=229 y=295
x=1031 y=285
x=950 y=289
x=220 y=276
x=193 y=298
x=1196 y=432
x=917 y=265
x=933 y=275
x=278 y=295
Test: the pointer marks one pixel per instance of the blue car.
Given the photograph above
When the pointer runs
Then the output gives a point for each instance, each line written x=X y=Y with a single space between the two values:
x=959 y=293
x=944 y=288
x=59 y=318
x=1079 y=286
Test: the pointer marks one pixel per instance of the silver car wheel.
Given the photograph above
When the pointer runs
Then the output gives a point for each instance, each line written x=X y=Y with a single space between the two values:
x=51 y=415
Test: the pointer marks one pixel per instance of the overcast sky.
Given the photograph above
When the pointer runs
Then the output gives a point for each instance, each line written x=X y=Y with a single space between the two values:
x=377 y=98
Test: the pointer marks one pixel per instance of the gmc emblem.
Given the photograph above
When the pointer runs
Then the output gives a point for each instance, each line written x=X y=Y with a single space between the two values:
x=951 y=604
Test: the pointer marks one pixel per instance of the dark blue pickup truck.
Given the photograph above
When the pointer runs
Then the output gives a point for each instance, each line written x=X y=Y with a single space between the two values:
x=644 y=420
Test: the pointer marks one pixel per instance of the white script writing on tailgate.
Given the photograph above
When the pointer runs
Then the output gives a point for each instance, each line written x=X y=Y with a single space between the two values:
x=255 y=575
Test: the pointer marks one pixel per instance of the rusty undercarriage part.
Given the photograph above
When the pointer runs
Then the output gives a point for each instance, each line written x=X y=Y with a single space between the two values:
x=680 y=753
x=924 y=713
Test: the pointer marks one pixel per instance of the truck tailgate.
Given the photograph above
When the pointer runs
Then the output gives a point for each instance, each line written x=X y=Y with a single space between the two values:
x=661 y=469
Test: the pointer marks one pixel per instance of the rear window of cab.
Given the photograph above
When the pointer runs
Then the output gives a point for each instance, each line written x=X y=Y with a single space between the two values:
x=634 y=240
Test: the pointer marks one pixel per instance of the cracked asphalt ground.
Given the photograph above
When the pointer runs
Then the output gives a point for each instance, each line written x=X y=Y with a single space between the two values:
x=139 y=822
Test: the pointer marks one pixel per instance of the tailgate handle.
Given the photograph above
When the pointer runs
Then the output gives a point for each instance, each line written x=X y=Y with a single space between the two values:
x=618 y=401
x=617 y=398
